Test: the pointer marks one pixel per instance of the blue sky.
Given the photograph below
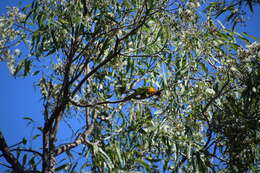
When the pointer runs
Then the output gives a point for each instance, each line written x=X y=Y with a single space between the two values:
x=19 y=98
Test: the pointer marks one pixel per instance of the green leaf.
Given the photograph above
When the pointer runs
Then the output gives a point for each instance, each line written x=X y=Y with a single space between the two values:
x=24 y=141
x=127 y=4
x=250 y=4
x=18 y=68
x=158 y=112
x=36 y=72
x=28 y=118
x=18 y=153
x=27 y=67
x=32 y=162
x=106 y=158
x=69 y=154
x=72 y=169
x=200 y=163
x=251 y=36
x=35 y=136
x=151 y=159
x=62 y=167
x=165 y=78
x=235 y=46
x=144 y=164
x=24 y=159
x=204 y=68
x=119 y=155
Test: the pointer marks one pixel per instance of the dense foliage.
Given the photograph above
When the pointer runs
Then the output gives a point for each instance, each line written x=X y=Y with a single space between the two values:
x=235 y=11
x=90 y=56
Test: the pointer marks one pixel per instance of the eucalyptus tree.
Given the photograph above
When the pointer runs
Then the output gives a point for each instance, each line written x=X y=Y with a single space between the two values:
x=154 y=86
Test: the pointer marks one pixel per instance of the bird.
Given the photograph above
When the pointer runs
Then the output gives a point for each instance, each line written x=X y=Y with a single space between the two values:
x=143 y=93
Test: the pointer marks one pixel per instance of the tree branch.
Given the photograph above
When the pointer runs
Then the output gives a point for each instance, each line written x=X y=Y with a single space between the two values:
x=212 y=100
x=127 y=98
x=180 y=163
x=108 y=59
x=99 y=103
x=17 y=167
x=27 y=150
x=79 y=140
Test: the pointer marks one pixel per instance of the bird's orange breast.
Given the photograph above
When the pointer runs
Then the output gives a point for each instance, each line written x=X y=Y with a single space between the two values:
x=151 y=90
